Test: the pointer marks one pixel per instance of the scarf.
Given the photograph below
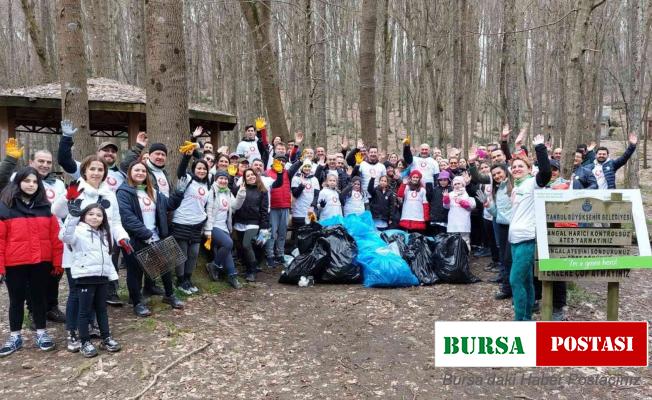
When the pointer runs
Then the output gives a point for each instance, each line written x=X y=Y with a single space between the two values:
x=153 y=167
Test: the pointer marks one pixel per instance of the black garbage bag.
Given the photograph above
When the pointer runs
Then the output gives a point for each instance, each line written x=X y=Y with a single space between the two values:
x=304 y=265
x=340 y=248
x=307 y=236
x=400 y=243
x=451 y=259
x=420 y=258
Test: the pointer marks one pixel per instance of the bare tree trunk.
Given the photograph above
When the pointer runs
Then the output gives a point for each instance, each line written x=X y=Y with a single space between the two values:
x=387 y=80
x=319 y=132
x=635 y=53
x=258 y=16
x=367 y=62
x=137 y=10
x=511 y=105
x=166 y=88
x=100 y=42
x=72 y=67
x=38 y=39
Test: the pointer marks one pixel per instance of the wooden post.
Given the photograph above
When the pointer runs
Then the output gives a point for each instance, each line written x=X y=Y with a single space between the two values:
x=215 y=136
x=546 y=301
x=613 y=288
x=133 y=128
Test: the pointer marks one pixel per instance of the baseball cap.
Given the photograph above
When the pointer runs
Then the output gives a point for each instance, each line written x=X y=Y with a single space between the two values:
x=104 y=145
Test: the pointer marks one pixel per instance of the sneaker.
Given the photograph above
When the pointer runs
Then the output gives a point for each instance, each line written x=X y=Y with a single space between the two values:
x=73 y=342
x=173 y=302
x=502 y=296
x=153 y=291
x=13 y=344
x=88 y=350
x=558 y=314
x=110 y=345
x=94 y=331
x=44 y=342
x=213 y=271
x=114 y=300
x=191 y=286
x=482 y=252
x=233 y=281
x=56 y=315
x=184 y=287
x=251 y=277
x=270 y=262
x=141 y=310
x=279 y=261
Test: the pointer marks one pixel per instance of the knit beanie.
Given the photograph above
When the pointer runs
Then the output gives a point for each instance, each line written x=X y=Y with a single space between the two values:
x=158 y=147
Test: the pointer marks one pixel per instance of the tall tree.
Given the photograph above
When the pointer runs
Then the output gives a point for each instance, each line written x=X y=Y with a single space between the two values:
x=38 y=39
x=137 y=11
x=319 y=76
x=72 y=69
x=258 y=16
x=510 y=99
x=101 y=58
x=387 y=80
x=367 y=64
x=167 y=87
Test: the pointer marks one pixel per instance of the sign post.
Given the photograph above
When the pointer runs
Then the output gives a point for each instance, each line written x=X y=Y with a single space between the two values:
x=588 y=235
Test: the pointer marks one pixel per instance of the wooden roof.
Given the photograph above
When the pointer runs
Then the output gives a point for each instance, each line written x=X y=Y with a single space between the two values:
x=106 y=96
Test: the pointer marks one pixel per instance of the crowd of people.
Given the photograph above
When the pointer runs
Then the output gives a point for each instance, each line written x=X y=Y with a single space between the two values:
x=240 y=205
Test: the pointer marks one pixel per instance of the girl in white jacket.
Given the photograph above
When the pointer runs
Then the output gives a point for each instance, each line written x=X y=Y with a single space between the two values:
x=460 y=205
x=87 y=235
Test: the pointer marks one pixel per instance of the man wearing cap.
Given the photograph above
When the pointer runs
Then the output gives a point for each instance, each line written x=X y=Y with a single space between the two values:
x=107 y=151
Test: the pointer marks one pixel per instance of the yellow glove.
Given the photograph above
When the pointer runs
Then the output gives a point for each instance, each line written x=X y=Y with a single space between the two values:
x=312 y=216
x=232 y=170
x=358 y=158
x=207 y=244
x=277 y=166
x=187 y=147
x=260 y=123
x=406 y=141
x=12 y=149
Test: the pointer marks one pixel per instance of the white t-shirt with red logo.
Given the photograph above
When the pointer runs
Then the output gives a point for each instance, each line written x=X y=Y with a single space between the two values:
x=355 y=203
x=161 y=181
x=413 y=201
x=148 y=210
x=427 y=166
x=333 y=205
x=302 y=204
x=192 y=209
x=368 y=171
x=54 y=190
x=249 y=150
x=114 y=179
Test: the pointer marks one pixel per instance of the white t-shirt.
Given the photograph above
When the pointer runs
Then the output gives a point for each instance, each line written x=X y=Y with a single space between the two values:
x=114 y=179
x=249 y=150
x=355 y=203
x=303 y=202
x=221 y=210
x=161 y=181
x=599 y=176
x=192 y=209
x=148 y=209
x=333 y=205
x=368 y=171
x=522 y=225
x=413 y=201
x=427 y=166
x=459 y=218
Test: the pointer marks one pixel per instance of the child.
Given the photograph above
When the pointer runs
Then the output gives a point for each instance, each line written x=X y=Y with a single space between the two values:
x=438 y=213
x=88 y=234
x=329 y=198
x=305 y=190
x=354 y=198
x=416 y=210
x=382 y=201
x=460 y=205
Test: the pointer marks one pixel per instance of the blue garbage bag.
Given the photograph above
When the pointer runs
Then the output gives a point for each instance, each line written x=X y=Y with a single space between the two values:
x=394 y=232
x=383 y=268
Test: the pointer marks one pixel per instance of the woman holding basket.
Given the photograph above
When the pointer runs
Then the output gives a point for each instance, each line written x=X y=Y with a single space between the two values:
x=143 y=211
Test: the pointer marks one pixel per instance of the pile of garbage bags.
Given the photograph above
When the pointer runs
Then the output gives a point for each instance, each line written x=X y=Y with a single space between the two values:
x=351 y=249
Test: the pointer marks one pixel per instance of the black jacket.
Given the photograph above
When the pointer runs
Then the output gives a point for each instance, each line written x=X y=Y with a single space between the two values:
x=254 y=209
x=381 y=204
x=132 y=155
x=342 y=177
x=132 y=217
x=435 y=196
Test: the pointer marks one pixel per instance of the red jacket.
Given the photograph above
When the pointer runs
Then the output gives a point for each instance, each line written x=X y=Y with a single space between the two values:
x=29 y=236
x=280 y=197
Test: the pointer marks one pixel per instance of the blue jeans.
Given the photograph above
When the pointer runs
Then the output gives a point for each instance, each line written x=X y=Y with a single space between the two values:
x=278 y=219
x=222 y=244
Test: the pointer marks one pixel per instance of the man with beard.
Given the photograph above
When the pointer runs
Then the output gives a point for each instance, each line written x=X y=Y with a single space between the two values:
x=366 y=168
x=605 y=168
x=423 y=163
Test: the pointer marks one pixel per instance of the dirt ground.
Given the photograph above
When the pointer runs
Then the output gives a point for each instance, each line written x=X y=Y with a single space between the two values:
x=273 y=341
x=325 y=342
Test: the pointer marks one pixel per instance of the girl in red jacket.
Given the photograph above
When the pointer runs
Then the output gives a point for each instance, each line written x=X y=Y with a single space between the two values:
x=29 y=250
x=416 y=209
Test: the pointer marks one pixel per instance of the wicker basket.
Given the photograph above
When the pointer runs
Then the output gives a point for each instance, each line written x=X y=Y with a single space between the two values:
x=160 y=257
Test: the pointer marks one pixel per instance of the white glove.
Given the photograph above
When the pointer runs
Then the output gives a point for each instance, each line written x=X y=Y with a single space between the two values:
x=183 y=183
x=67 y=128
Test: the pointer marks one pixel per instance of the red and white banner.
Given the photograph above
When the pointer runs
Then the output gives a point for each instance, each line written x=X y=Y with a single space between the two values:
x=541 y=344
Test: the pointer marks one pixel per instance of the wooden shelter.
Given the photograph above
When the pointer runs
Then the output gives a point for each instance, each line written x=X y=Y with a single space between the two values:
x=116 y=110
